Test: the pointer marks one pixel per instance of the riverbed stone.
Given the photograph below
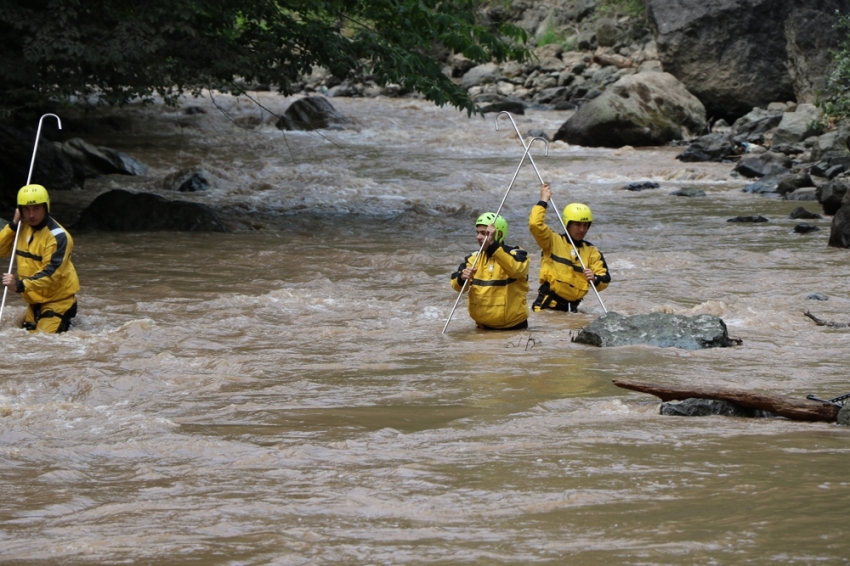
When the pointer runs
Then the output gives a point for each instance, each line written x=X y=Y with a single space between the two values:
x=752 y=126
x=716 y=146
x=694 y=407
x=688 y=192
x=831 y=195
x=844 y=416
x=98 y=160
x=800 y=213
x=665 y=330
x=839 y=232
x=644 y=109
x=798 y=125
x=311 y=113
x=123 y=211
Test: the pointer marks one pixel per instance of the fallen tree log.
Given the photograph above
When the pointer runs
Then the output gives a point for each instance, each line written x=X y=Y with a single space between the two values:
x=788 y=407
x=821 y=322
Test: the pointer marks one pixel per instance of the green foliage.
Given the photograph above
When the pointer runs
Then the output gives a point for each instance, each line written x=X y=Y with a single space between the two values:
x=113 y=51
x=553 y=36
x=835 y=103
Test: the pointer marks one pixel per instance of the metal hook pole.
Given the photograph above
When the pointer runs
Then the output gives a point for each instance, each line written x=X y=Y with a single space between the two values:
x=554 y=206
x=29 y=178
x=498 y=210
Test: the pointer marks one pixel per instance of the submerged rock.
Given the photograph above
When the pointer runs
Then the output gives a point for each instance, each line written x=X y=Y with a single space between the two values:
x=657 y=329
x=123 y=211
x=694 y=407
x=688 y=192
x=311 y=113
x=748 y=219
x=844 y=416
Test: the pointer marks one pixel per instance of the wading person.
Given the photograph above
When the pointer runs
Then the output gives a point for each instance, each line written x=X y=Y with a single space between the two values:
x=46 y=278
x=563 y=281
x=498 y=281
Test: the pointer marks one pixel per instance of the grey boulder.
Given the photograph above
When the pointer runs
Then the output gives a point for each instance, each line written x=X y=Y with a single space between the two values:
x=657 y=329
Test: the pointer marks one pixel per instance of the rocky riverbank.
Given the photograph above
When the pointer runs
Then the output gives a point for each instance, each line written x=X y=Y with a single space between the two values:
x=636 y=73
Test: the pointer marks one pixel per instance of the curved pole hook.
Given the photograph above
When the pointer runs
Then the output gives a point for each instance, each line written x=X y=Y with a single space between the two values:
x=540 y=178
x=29 y=178
x=498 y=210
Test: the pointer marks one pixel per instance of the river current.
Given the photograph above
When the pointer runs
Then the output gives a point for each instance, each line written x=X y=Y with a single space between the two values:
x=283 y=394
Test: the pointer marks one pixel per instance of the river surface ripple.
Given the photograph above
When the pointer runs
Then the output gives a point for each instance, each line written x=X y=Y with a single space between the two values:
x=283 y=394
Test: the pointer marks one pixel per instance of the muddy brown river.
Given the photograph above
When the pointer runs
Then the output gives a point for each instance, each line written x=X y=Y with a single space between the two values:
x=283 y=394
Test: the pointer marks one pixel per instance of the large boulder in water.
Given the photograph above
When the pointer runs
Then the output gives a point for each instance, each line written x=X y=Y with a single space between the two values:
x=123 y=211
x=656 y=329
x=737 y=54
x=101 y=160
x=645 y=109
x=839 y=234
x=311 y=113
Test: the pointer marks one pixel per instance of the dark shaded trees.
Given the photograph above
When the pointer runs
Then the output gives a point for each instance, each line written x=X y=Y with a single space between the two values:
x=112 y=51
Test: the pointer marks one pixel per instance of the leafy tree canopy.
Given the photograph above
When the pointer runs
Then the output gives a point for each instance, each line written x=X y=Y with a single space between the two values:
x=835 y=103
x=112 y=51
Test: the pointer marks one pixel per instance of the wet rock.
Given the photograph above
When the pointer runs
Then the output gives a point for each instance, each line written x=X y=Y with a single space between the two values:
x=839 y=233
x=831 y=195
x=817 y=297
x=844 y=416
x=536 y=134
x=716 y=146
x=311 y=113
x=196 y=183
x=192 y=110
x=97 y=161
x=641 y=186
x=765 y=185
x=801 y=213
x=803 y=194
x=803 y=228
x=832 y=144
x=512 y=106
x=657 y=329
x=754 y=219
x=123 y=211
x=643 y=109
x=688 y=192
x=791 y=183
x=798 y=125
x=766 y=164
x=752 y=126
x=693 y=407
x=810 y=37
x=480 y=75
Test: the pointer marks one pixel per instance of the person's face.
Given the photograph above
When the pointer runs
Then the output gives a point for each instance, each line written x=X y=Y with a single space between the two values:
x=34 y=214
x=578 y=230
x=480 y=234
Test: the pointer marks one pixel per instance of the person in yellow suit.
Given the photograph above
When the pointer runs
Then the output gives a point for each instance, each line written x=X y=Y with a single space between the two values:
x=46 y=278
x=564 y=282
x=498 y=281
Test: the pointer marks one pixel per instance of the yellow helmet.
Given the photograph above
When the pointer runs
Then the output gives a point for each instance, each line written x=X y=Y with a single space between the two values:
x=577 y=212
x=33 y=194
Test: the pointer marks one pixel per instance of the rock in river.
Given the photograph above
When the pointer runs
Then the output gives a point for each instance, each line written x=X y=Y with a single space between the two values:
x=657 y=329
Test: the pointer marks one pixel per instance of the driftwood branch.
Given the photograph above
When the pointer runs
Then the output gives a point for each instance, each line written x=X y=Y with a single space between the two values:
x=788 y=407
x=829 y=323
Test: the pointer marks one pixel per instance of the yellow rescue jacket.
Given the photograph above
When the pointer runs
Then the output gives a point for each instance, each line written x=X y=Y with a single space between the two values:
x=43 y=254
x=498 y=293
x=559 y=266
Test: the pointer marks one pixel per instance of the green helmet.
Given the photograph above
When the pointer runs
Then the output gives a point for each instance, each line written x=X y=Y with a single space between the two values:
x=33 y=194
x=499 y=222
x=577 y=212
